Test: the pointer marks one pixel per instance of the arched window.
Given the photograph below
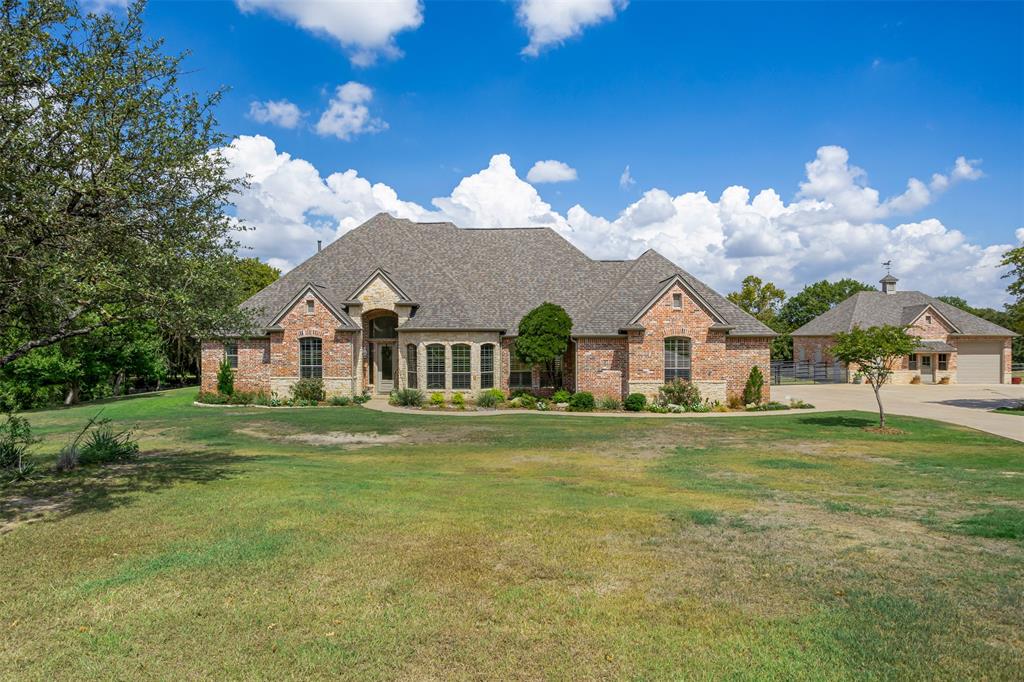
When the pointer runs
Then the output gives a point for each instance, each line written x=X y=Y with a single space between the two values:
x=435 y=366
x=311 y=362
x=677 y=359
x=410 y=363
x=461 y=366
x=383 y=327
x=487 y=365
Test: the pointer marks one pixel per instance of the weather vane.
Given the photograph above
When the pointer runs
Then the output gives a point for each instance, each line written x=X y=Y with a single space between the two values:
x=888 y=267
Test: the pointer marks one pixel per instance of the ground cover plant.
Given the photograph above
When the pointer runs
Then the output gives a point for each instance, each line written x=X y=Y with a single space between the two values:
x=300 y=543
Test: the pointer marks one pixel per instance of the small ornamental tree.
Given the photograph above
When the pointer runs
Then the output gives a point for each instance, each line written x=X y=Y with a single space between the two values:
x=875 y=351
x=543 y=335
x=755 y=385
x=225 y=378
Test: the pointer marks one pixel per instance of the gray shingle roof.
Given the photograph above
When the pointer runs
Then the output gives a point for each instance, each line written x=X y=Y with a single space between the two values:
x=488 y=278
x=874 y=308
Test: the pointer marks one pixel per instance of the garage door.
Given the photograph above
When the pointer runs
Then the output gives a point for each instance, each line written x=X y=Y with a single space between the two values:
x=978 y=362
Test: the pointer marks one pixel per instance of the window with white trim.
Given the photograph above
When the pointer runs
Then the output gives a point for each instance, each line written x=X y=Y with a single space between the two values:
x=461 y=376
x=487 y=365
x=677 y=301
x=677 y=359
x=311 y=361
x=435 y=366
x=231 y=353
x=943 y=362
x=310 y=307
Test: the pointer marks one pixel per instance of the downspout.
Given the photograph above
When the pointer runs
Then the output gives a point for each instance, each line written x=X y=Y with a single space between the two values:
x=575 y=364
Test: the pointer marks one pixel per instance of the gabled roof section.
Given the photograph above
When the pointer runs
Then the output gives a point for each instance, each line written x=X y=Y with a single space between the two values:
x=912 y=313
x=901 y=308
x=310 y=288
x=379 y=273
x=487 y=278
x=667 y=284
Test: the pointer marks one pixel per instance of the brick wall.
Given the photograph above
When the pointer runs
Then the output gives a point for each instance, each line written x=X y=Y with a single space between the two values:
x=602 y=366
x=338 y=349
x=714 y=356
x=253 y=372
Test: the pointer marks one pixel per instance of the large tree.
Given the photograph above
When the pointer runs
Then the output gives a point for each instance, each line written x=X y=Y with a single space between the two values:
x=544 y=335
x=815 y=299
x=874 y=352
x=253 y=275
x=112 y=197
x=1011 y=318
x=763 y=300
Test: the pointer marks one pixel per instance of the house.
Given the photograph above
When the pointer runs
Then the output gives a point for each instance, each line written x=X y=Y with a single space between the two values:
x=954 y=344
x=394 y=304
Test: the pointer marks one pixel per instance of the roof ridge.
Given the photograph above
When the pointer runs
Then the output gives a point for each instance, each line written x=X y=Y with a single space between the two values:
x=604 y=293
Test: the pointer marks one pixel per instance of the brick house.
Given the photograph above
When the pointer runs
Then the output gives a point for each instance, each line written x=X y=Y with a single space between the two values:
x=394 y=304
x=954 y=344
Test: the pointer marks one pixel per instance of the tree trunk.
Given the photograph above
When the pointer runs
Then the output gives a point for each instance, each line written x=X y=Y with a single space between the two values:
x=881 y=410
x=118 y=383
x=72 y=396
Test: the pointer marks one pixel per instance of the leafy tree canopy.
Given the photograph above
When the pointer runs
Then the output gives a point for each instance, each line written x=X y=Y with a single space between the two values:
x=253 y=275
x=543 y=334
x=111 y=199
x=874 y=352
x=815 y=299
x=759 y=298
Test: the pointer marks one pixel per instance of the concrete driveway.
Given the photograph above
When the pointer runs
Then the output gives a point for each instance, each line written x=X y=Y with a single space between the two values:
x=963 y=404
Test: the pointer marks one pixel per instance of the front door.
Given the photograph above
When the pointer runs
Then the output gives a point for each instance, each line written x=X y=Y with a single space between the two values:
x=385 y=367
x=927 y=371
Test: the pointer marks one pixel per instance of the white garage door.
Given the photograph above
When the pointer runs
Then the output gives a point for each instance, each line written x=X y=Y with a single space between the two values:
x=978 y=362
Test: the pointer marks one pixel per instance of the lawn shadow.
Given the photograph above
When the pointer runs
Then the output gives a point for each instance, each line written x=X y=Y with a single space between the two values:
x=52 y=496
x=102 y=402
x=838 y=420
x=978 y=403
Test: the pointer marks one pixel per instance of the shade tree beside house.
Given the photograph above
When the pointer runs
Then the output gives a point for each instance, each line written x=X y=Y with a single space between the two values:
x=397 y=304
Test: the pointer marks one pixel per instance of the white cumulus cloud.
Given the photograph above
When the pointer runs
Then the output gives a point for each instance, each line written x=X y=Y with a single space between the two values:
x=279 y=112
x=366 y=30
x=832 y=228
x=551 y=22
x=550 y=171
x=348 y=115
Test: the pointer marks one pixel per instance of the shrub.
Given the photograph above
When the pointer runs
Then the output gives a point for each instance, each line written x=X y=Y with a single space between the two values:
x=800 y=405
x=242 y=398
x=561 y=396
x=211 y=398
x=437 y=399
x=543 y=405
x=582 y=401
x=104 y=446
x=519 y=393
x=526 y=401
x=492 y=397
x=752 y=392
x=611 y=404
x=340 y=400
x=308 y=390
x=719 y=407
x=459 y=401
x=225 y=378
x=363 y=397
x=735 y=401
x=768 y=407
x=682 y=393
x=15 y=440
x=635 y=402
x=263 y=399
x=409 y=397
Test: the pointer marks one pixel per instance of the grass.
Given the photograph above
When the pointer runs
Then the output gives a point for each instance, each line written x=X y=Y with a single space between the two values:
x=252 y=543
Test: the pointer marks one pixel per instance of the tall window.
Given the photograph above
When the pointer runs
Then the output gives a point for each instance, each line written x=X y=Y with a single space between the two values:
x=311 y=363
x=435 y=366
x=461 y=366
x=410 y=363
x=231 y=353
x=677 y=301
x=911 y=361
x=383 y=327
x=487 y=365
x=943 y=362
x=551 y=377
x=310 y=307
x=677 y=359
x=520 y=374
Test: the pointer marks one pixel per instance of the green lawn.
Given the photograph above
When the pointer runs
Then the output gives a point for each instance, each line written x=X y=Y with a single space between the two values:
x=251 y=543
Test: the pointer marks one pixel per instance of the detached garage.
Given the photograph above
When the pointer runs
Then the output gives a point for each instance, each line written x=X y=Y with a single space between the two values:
x=979 y=362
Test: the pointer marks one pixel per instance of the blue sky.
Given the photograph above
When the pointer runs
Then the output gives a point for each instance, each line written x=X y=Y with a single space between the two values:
x=692 y=97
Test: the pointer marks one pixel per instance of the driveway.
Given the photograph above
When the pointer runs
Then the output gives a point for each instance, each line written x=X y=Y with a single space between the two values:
x=963 y=404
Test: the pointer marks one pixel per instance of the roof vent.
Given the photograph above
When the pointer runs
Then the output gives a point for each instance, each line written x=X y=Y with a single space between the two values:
x=888 y=284
x=319 y=245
